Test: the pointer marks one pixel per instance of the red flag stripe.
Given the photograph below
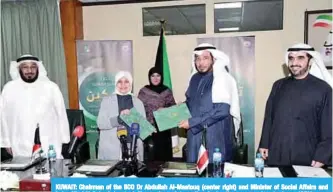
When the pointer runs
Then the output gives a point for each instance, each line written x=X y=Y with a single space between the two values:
x=36 y=149
x=321 y=24
x=203 y=159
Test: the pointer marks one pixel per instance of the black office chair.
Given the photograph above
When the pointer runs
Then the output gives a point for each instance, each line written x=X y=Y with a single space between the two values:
x=97 y=143
x=240 y=154
x=5 y=155
x=82 y=151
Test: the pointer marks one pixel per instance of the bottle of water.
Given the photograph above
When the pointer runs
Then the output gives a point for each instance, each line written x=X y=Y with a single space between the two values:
x=217 y=163
x=52 y=157
x=259 y=165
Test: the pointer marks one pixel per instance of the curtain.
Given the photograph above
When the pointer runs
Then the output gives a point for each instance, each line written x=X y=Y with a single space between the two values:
x=33 y=27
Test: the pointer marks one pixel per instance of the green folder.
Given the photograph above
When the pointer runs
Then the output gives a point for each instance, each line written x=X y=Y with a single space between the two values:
x=168 y=118
x=134 y=116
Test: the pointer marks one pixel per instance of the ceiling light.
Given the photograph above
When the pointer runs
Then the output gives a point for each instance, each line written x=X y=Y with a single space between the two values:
x=229 y=29
x=228 y=5
x=151 y=23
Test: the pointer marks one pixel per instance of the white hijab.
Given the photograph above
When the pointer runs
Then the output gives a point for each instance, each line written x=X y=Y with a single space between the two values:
x=318 y=68
x=224 y=89
x=128 y=76
x=14 y=68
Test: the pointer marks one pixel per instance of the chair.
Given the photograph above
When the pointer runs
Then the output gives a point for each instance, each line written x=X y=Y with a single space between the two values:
x=240 y=152
x=5 y=155
x=97 y=143
x=82 y=150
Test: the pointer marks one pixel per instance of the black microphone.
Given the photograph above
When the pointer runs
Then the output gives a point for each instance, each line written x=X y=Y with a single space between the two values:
x=122 y=136
x=77 y=134
x=134 y=131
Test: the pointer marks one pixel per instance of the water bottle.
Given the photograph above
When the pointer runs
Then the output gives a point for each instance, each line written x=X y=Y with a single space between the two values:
x=259 y=165
x=217 y=162
x=52 y=157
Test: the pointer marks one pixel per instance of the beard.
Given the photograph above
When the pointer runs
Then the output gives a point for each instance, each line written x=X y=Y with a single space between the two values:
x=204 y=72
x=297 y=72
x=29 y=79
x=326 y=54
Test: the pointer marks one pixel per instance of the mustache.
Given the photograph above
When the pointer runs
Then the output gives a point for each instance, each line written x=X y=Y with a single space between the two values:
x=295 y=66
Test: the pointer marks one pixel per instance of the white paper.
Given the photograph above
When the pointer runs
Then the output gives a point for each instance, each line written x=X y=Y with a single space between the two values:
x=270 y=172
x=306 y=171
x=9 y=180
x=239 y=170
x=179 y=171
x=79 y=175
x=131 y=176
x=94 y=168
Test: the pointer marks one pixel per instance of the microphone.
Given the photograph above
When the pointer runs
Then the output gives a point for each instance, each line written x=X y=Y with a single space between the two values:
x=77 y=134
x=122 y=136
x=134 y=131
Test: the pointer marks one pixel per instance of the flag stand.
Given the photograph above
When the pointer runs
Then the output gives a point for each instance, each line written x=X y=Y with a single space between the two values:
x=204 y=142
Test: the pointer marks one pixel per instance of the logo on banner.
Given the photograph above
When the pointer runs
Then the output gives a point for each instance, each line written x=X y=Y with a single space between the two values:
x=92 y=90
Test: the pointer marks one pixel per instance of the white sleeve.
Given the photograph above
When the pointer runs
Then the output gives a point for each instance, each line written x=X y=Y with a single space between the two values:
x=61 y=116
x=4 y=137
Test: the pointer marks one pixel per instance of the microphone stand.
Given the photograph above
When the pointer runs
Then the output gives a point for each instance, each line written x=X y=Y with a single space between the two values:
x=133 y=165
x=124 y=162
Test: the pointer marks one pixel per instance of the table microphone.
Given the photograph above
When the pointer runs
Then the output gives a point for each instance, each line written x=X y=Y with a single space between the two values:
x=122 y=136
x=76 y=135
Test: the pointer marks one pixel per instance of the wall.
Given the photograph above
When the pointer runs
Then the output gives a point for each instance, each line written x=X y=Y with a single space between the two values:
x=124 y=22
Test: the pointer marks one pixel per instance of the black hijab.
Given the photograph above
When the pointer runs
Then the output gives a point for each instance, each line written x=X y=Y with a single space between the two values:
x=156 y=88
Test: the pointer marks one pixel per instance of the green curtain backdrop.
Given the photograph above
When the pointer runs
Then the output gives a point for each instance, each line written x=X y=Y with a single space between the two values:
x=33 y=27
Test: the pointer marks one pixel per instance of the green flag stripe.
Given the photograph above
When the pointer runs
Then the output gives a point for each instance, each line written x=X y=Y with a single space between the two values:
x=325 y=17
x=166 y=68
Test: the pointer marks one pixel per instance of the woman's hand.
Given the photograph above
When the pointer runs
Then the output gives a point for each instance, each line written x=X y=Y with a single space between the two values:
x=125 y=112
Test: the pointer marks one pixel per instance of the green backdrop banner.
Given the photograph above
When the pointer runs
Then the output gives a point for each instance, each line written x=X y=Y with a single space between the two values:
x=98 y=63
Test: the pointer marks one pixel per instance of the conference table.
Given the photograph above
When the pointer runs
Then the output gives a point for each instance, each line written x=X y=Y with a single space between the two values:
x=66 y=169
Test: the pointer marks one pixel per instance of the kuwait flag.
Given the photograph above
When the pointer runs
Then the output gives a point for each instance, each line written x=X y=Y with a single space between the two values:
x=162 y=63
x=323 y=21
x=203 y=160
x=37 y=148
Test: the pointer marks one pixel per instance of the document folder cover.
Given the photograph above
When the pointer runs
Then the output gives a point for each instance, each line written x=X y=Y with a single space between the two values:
x=178 y=169
x=97 y=167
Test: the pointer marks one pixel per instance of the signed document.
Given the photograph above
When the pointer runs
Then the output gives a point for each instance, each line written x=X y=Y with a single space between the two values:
x=307 y=171
x=134 y=116
x=169 y=118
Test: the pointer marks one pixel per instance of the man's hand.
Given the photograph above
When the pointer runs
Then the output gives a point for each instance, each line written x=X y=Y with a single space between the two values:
x=125 y=112
x=316 y=164
x=264 y=153
x=9 y=150
x=184 y=124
